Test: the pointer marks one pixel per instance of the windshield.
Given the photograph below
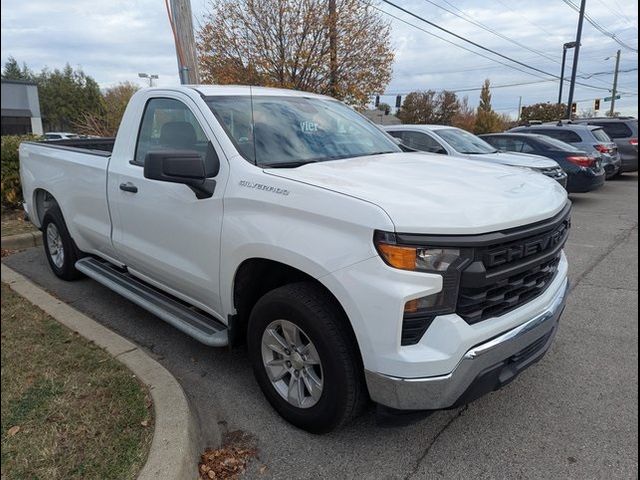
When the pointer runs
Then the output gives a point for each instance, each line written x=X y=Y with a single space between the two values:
x=464 y=142
x=556 y=144
x=277 y=131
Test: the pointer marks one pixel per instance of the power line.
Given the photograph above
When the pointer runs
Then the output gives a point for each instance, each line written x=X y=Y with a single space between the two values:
x=600 y=28
x=517 y=84
x=482 y=47
x=486 y=28
x=468 y=19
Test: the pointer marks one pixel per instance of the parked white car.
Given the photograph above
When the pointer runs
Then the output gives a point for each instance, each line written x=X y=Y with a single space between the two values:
x=287 y=221
x=60 y=135
x=447 y=140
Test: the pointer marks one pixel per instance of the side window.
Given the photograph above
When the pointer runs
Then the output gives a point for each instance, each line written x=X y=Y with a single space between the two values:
x=563 y=135
x=614 y=129
x=422 y=142
x=168 y=124
x=499 y=142
x=395 y=133
x=526 y=147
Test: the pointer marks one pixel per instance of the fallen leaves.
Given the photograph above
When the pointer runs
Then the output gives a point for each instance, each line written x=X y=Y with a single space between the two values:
x=229 y=461
x=5 y=252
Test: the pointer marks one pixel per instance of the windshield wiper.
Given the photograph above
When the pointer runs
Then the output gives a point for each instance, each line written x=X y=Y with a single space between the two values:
x=294 y=164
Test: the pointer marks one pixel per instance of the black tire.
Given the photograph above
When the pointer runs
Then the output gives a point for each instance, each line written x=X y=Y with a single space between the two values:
x=67 y=269
x=313 y=310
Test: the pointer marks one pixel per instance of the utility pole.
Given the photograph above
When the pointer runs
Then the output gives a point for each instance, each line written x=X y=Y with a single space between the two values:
x=519 y=108
x=614 y=91
x=565 y=47
x=333 y=49
x=576 y=54
x=182 y=25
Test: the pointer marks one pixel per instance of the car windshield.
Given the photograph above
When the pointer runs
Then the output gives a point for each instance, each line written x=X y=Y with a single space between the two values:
x=280 y=131
x=464 y=142
x=556 y=144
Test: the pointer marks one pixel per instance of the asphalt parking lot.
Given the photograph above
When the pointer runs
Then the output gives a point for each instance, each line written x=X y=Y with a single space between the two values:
x=573 y=415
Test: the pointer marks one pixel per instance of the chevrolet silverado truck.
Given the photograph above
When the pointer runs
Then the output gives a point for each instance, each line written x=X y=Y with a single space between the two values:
x=284 y=221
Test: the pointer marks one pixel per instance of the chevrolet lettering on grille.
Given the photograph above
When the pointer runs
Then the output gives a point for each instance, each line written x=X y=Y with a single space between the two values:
x=516 y=251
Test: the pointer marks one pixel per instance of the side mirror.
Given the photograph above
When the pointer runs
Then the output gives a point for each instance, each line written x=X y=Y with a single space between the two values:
x=186 y=167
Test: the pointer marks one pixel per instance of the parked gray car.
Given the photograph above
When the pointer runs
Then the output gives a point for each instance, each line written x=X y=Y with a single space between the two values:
x=447 y=140
x=588 y=138
x=623 y=131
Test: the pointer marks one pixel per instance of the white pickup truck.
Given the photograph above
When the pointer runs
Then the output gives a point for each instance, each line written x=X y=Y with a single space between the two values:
x=284 y=220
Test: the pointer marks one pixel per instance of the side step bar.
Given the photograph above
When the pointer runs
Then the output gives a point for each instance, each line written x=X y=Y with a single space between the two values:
x=194 y=323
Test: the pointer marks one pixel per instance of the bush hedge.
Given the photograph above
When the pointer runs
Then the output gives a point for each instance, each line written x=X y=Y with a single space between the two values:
x=11 y=189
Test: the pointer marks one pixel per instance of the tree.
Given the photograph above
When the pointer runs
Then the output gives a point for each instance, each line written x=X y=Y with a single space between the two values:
x=429 y=107
x=385 y=107
x=447 y=107
x=545 y=112
x=106 y=124
x=66 y=96
x=418 y=108
x=12 y=71
x=465 y=118
x=487 y=120
x=285 y=43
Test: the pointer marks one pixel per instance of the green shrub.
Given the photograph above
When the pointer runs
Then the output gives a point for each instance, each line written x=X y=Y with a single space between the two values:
x=10 y=177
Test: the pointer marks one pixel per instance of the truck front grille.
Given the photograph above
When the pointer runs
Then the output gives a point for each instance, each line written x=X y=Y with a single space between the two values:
x=512 y=271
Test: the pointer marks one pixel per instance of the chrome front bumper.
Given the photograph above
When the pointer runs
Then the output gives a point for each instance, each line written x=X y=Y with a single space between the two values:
x=483 y=368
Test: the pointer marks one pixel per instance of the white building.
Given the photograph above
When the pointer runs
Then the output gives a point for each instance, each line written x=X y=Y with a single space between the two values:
x=20 y=108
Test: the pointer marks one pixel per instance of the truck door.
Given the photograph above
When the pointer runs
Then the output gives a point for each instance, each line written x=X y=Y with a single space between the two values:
x=162 y=232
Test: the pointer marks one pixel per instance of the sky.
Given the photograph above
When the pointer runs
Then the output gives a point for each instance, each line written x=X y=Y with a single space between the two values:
x=115 y=40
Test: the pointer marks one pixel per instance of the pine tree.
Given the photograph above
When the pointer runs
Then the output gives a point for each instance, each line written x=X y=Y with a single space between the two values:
x=487 y=121
x=12 y=71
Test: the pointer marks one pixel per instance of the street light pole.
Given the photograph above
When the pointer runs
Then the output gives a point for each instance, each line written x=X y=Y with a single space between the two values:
x=151 y=78
x=565 y=47
x=614 y=91
x=576 y=54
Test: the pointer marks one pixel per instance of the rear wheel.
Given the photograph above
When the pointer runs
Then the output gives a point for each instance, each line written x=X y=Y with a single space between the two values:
x=305 y=359
x=62 y=253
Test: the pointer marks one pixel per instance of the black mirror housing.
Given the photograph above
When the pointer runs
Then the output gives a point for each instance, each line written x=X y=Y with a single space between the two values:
x=186 y=167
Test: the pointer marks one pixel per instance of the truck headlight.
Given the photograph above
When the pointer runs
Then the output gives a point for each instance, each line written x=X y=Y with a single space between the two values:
x=415 y=258
x=445 y=261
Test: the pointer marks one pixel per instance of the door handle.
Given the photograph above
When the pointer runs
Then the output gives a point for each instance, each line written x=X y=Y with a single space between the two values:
x=129 y=187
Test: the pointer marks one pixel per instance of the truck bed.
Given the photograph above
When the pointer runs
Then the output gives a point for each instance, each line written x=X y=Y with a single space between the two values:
x=98 y=146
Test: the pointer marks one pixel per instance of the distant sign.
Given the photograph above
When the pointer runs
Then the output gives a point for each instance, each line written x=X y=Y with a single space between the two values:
x=608 y=99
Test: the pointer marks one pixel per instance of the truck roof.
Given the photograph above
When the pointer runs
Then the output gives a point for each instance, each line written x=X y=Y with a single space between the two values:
x=238 y=90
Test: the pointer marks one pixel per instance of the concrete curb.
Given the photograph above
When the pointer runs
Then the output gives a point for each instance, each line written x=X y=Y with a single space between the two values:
x=174 y=449
x=22 y=240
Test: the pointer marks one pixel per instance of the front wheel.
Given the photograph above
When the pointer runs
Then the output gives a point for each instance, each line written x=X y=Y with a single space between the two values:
x=305 y=359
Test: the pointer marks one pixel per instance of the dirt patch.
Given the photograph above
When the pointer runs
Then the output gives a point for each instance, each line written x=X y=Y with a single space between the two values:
x=228 y=462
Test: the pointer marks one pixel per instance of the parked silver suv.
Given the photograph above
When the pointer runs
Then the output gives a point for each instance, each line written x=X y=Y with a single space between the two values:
x=588 y=138
x=623 y=131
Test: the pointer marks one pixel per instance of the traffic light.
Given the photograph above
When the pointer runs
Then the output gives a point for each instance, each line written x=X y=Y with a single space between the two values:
x=377 y=100
x=574 y=108
x=596 y=104
x=398 y=101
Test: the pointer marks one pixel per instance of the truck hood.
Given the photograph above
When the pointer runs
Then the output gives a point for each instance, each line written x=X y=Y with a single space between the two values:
x=437 y=194
x=516 y=159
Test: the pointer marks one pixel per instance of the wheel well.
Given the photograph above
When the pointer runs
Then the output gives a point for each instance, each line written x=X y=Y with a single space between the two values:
x=257 y=276
x=43 y=201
